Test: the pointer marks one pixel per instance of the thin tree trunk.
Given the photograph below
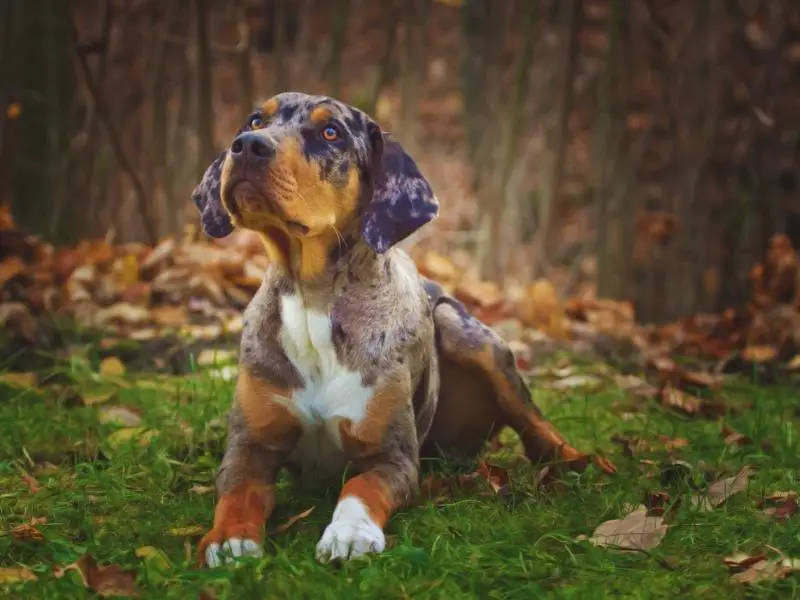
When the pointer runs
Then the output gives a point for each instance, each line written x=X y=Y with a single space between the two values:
x=205 y=111
x=340 y=18
x=574 y=16
x=509 y=232
x=601 y=149
x=279 y=29
x=105 y=117
x=384 y=66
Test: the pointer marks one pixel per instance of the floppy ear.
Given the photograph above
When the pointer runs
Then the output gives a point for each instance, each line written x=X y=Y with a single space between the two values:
x=213 y=216
x=402 y=199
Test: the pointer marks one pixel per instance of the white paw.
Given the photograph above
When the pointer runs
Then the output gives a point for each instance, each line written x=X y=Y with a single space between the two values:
x=350 y=534
x=230 y=550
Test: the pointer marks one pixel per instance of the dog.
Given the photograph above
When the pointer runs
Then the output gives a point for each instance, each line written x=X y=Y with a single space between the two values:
x=348 y=357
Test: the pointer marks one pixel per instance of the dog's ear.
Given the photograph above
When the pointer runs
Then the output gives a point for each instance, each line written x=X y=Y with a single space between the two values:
x=214 y=218
x=402 y=199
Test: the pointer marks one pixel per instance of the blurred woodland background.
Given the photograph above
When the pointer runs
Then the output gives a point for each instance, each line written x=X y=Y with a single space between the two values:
x=646 y=150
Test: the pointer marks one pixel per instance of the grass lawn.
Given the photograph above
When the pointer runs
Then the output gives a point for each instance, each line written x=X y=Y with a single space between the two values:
x=104 y=494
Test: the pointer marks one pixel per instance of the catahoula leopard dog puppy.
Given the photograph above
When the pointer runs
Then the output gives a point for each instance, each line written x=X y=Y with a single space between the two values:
x=348 y=356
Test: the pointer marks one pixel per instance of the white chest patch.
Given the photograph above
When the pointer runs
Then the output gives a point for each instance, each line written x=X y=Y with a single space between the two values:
x=331 y=391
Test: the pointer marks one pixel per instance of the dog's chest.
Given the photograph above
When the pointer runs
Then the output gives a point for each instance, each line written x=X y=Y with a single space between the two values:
x=331 y=391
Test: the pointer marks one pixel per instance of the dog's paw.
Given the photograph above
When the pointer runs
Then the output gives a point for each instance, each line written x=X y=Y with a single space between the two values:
x=230 y=550
x=350 y=534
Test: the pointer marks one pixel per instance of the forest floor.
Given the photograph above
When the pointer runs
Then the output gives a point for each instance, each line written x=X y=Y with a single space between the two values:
x=106 y=485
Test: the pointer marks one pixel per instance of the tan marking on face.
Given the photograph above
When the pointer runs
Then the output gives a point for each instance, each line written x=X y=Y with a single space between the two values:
x=241 y=513
x=373 y=492
x=270 y=107
x=321 y=114
x=263 y=407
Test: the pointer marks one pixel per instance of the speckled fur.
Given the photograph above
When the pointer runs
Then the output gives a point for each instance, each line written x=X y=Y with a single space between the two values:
x=441 y=381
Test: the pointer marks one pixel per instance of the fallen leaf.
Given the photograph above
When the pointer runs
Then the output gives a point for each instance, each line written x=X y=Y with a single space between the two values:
x=732 y=437
x=719 y=491
x=759 y=568
x=672 y=397
x=34 y=487
x=112 y=367
x=636 y=531
x=10 y=575
x=10 y=268
x=497 y=477
x=673 y=443
x=105 y=581
x=28 y=531
x=759 y=354
x=19 y=380
x=121 y=415
x=291 y=521
x=636 y=386
x=187 y=531
x=742 y=560
x=201 y=489
x=784 y=508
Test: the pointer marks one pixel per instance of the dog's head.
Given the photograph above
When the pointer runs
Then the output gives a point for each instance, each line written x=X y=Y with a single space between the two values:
x=310 y=166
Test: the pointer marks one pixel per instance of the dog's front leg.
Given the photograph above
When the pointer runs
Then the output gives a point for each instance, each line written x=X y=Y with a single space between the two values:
x=388 y=478
x=262 y=432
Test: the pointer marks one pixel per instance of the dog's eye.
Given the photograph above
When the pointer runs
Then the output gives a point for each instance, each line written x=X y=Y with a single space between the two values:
x=330 y=133
x=256 y=123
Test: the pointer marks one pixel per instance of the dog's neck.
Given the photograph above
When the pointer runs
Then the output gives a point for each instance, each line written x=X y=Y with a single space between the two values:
x=319 y=265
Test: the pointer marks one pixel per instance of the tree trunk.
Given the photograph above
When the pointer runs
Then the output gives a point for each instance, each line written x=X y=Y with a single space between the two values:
x=205 y=111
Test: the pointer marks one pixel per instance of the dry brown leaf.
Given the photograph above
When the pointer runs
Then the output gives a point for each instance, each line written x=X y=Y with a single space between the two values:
x=497 y=477
x=291 y=521
x=122 y=313
x=636 y=531
x=760 y=568
x=784 y=506
x=672 y=397
x=10 y=268
x=105 y=581
x=759 y=354
x=112 y=367
x=169 y=316
x=34 y=487
x=673 y=443
x=732 y=437
x=26 y=531
x=719 y=491
x=159 y=254
x=122 y=415
x=201 y=489
x=12 y=575
x=437 y=267
x=636 y=386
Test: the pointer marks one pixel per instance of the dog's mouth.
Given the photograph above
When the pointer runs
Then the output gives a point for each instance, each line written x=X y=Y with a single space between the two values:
x=247 y=200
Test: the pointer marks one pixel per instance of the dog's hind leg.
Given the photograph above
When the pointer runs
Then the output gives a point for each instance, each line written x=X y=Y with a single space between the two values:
x=481 y=391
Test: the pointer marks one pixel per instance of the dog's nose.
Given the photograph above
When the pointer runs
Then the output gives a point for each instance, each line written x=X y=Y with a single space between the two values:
x=250 y=145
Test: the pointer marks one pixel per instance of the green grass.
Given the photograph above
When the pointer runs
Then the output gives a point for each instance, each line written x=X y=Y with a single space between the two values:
x=108 y=500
